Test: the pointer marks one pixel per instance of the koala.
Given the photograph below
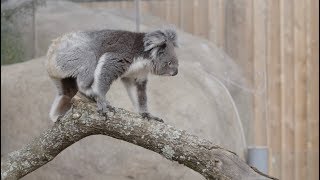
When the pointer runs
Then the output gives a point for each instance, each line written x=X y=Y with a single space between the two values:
x=90 y=61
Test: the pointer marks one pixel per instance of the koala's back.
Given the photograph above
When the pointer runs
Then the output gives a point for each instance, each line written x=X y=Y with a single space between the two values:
x=80 y=51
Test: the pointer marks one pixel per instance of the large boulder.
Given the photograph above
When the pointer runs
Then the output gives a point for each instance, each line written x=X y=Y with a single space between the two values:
x=197 y=100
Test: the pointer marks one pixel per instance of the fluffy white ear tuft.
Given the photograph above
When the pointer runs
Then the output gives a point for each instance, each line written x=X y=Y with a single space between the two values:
x=159 y=37
x=171 y=36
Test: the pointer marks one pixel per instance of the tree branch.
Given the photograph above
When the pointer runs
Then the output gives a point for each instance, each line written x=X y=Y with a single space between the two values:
x=210 y=160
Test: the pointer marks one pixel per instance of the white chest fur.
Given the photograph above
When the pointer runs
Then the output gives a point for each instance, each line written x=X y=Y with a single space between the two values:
x=139 y=69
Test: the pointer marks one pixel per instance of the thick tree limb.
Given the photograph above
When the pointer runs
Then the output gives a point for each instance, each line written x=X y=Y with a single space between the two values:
x=210 y=160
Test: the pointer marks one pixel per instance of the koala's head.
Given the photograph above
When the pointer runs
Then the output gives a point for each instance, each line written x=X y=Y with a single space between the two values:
x=160 y=45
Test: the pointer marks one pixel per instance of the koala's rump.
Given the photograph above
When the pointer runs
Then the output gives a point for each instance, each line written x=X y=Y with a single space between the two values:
x=70 y=54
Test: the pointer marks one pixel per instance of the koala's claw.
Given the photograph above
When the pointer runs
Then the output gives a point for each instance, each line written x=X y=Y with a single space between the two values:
x=101 y=112
x=111 y=109
x=148 y=116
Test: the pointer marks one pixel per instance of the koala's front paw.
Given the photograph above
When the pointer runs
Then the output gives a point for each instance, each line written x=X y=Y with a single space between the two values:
x=149 y=117
x=103 y=107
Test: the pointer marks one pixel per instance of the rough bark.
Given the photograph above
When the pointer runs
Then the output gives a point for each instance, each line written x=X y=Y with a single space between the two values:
x=210 y=160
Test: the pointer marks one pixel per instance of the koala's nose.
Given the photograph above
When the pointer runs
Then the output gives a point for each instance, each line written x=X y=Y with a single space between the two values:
x=175 y=72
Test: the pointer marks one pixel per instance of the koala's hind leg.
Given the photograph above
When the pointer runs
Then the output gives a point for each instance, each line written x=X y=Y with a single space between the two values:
x=67 y=88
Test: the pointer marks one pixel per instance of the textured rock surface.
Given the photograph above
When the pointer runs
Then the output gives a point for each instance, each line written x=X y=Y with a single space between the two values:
x=195 y=100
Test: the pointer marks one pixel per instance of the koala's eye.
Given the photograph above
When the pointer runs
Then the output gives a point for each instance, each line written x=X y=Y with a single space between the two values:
x=163 y=46
x=169 y=63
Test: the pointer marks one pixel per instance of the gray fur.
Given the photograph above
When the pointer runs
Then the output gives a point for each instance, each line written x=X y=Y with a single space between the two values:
x=90 y=62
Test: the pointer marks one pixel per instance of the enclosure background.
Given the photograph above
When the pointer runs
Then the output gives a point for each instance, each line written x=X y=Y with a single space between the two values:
x=276 y=42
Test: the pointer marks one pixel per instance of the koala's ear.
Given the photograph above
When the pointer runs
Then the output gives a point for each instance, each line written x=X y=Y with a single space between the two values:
x=158 y=38
x=171 y=36
x=153 y=39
